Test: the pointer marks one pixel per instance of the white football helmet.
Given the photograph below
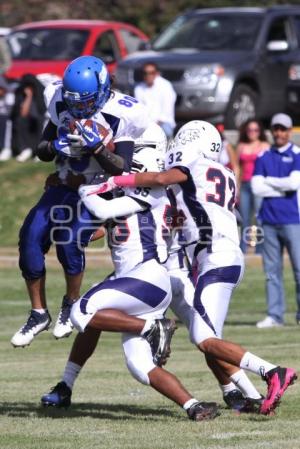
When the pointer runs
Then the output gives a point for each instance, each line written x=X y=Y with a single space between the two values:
x=202 y=136
x=154 y=136
x=145 y=160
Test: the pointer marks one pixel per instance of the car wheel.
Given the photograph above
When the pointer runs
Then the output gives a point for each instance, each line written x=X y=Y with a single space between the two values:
x=242 y=106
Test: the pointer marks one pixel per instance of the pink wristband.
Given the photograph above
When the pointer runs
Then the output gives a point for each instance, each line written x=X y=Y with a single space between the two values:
x=124 y=181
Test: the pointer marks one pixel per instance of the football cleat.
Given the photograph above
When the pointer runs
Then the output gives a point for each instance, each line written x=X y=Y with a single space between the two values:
x=235 y=400
x=63 y=326
x=36 y=323
x=159 y=337
x=252 y=405
x=201 y=411
x=278 y=380
x=59 y=396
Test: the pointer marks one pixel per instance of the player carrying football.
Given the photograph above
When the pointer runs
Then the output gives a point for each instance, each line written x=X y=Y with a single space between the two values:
x=84 y=115
x=139 y=287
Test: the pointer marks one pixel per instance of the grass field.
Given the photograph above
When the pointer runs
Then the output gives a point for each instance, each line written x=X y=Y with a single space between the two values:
x=110 y=409
x=21 y=186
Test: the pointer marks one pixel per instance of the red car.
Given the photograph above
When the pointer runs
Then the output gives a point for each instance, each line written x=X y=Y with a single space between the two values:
x=49 y=46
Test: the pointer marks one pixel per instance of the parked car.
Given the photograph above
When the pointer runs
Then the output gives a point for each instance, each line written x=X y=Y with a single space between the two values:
x=49 y=46
x=226 y=64
x=293 y=92
x=4 y=31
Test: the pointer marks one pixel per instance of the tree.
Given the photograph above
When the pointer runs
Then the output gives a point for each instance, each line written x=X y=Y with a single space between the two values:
x=149 y=15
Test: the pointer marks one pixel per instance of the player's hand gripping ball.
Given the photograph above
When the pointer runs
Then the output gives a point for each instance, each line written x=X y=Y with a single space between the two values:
x=90 y=135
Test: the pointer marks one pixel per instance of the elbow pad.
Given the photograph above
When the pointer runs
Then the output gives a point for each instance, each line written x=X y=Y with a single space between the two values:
x=45 y=151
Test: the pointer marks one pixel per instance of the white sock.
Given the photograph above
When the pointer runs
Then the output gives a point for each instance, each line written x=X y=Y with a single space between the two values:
x=70 y=374
x=243 y=383
x=147 y=326
x=40 y=311
x=255 y=364
x=188 y=404
x=227 y=388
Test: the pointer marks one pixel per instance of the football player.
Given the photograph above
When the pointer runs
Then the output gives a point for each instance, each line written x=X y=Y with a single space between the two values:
x=137 y=242
x=238 y=391
x=205 y=193
x=85 y=114
x=181 y=304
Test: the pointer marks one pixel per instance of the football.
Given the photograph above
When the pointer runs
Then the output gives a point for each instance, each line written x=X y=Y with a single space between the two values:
x=103 y=131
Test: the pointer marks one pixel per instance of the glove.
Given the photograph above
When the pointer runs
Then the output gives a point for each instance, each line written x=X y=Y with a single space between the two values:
x=62 y=145
x=86 y=190
x=76 y=141
x=92 y=134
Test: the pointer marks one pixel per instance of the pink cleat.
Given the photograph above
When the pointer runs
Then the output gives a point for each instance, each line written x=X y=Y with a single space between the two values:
x=278 y=379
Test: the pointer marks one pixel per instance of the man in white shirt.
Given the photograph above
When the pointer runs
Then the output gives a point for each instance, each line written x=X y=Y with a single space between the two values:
x=159 y=97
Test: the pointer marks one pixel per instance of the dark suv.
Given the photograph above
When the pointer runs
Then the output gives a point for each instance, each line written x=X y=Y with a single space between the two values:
x=226 y=64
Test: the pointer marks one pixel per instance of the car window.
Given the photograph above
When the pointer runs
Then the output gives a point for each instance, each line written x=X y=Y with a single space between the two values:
x=47 y=43
x=297 y=28
x=106 y=47
x=131 y=40
x=211 y=32
x=278 y=30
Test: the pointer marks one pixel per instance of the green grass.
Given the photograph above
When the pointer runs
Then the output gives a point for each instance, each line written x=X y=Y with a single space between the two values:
x=21 y=186
x=110 y=409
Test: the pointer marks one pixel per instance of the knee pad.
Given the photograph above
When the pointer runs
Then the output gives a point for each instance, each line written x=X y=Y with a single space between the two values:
x=199 y=330
x=71 y=257
x=33 y=245
x=32 y=264
x=138 y=357
x=71 y=243
x=138 y=372
x=76 y=317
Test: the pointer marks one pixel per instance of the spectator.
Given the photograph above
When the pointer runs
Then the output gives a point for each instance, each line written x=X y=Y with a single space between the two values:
x=6 y=98
x=252 y=140
x=5 y=56
x=159 y=97
x=28 y=116
x=277 y=180
x=228 y=156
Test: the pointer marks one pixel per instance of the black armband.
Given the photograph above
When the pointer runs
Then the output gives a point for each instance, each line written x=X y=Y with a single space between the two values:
x=45 y=151
x=125 y=149
x=110 y=162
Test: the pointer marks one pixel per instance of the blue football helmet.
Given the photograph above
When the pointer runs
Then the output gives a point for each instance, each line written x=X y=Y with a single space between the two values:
x=86 y=86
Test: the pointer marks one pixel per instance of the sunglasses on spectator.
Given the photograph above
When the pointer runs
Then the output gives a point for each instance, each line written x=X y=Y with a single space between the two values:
x=279 y=128
x=253 y=130
x=149 y=72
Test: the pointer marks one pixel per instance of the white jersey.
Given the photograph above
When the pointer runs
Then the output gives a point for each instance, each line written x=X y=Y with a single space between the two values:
x=143 y=235
x=127 y=118
x=206 y=200
x=224 y=156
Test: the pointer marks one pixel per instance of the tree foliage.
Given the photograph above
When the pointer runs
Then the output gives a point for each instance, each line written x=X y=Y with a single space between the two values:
x=149 y=15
